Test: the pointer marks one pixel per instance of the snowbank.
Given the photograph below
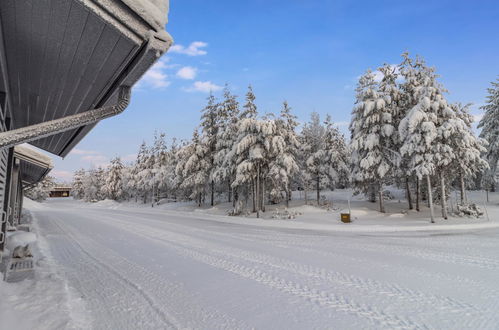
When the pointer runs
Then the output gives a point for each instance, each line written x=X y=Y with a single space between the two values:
x=45 y=302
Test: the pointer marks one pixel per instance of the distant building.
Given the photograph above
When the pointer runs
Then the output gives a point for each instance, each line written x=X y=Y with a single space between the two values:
x=60 y=191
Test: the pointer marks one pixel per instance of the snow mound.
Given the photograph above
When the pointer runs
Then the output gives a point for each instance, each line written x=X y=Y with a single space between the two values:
x=107 y=203
x=19 y=238
x=32 y=205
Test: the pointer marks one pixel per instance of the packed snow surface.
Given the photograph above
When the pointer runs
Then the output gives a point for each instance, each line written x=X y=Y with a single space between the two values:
x=143 y=268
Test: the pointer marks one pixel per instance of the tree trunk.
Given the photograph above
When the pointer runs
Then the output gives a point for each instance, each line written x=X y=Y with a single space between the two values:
x=318 y=188
x=462 y=188
x=257 y=192
x=372 y=194
x=212 y=193
x=487 y=194
x=253 y=194
x=306 y=195
x=235 y=196
x=230 y=193
x=287 y=198
x=381 y=201
x=263 y=195
x=443 y=196
x=417 y=194
x=430 y=198
x=408 y=193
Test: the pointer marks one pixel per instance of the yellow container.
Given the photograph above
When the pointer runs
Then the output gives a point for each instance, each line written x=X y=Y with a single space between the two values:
x=345 y=217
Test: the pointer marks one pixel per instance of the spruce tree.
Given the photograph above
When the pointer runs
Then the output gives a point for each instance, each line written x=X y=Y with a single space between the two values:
x=490 y=132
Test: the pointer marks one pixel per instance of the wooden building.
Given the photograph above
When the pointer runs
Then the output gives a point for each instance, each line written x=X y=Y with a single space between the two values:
x=60 y=191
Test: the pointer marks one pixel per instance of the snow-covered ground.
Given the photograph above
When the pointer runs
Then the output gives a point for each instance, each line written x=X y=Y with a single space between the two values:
x=119 y=266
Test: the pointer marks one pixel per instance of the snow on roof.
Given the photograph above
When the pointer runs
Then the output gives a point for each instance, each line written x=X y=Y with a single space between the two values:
x=32 y=155
x=153 y=11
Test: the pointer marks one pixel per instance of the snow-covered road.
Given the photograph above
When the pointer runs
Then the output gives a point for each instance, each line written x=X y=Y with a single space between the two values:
x=155 y=269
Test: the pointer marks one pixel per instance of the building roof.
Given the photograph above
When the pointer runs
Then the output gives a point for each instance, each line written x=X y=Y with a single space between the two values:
x=64 y=57
x=34 y=165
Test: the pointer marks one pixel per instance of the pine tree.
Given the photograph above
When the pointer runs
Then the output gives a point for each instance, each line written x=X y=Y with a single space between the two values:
x=313 y=134
x=196 y=171
x=41 y=191
x=143 y=172
x=372 y=135
x=228 y=118
x=114 y=180
x=77 y=189
x=419 y=129
x=256 y=145
x=209 y=126
x=490 y=132
x=285 y=166
x=467 y=148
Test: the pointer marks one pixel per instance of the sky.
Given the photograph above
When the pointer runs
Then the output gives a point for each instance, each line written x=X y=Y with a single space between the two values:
x=308 y=52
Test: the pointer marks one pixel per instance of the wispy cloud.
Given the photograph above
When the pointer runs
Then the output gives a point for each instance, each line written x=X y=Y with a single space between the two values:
x=203 y=86
x=129 y=157
x=62 y=175
x=194 y=49
x=187 y=72
x=156 y=77
x=83 y=152
x=96 y=160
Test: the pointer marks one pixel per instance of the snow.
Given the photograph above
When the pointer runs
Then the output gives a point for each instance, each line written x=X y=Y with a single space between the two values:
x=45 y=302
x=111 y=265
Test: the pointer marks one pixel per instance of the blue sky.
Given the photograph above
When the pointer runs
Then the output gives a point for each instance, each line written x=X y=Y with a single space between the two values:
x=308 y=52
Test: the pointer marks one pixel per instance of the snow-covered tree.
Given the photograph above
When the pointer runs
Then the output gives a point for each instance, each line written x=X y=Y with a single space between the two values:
x=312 y=141
x=196 y=169
x=209 y=127
x=41 y=191
x=419 y=130
x=325 y=152
x=372 y=133
x=256 y=146
x=113 y=186
x=143 y=172
x=285 y=165
x=93 y=185
x=490 y=132
x=78 y=189
x=468 y=149
x=228 y=118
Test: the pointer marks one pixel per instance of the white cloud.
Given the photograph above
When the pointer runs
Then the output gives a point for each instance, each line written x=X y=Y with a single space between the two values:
x=96 y=160
x=192 y=50
x=129 y=157
x=83 y=152
x=187 y=72
x=156 y=77
x=203 y=86
x=62 y=175
x=477 y=118
x=343 y=124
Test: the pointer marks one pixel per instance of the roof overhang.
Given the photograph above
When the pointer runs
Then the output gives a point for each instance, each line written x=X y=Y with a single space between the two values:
x=63 y=57
x=34 y=166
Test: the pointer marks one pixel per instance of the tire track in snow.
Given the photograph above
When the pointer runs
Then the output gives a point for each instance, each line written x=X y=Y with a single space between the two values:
x=167 y=320
x=318 y=297
x=367 y=286
x=192 y=316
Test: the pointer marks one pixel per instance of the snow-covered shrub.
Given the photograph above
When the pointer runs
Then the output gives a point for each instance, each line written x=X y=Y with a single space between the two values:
x=285 y=214
x=469 y=210
x=237 y=209
x=40 y=191
x=387 y=195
